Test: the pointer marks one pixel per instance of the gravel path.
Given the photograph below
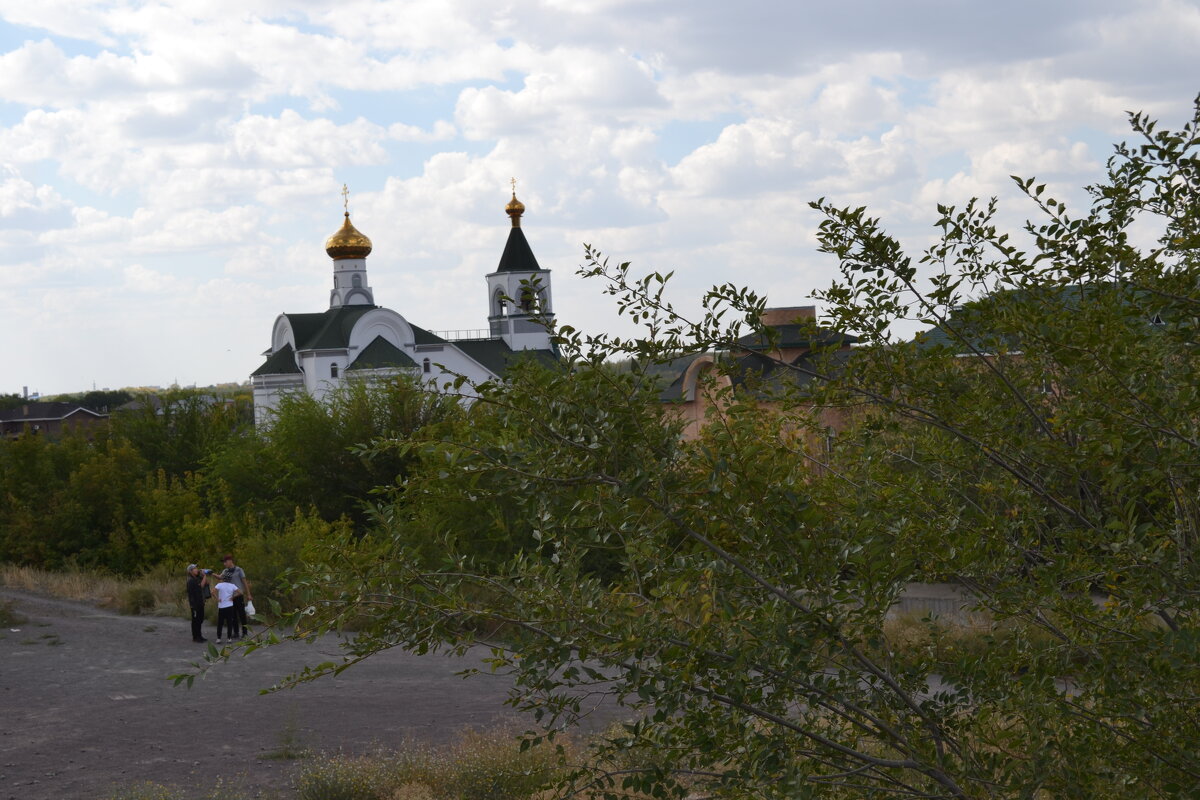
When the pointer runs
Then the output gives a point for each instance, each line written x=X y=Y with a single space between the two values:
x=85 y=705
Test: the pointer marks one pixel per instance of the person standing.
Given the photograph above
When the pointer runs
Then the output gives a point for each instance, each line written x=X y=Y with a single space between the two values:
x=227 y=619
x=238 y=576
x=197 y=592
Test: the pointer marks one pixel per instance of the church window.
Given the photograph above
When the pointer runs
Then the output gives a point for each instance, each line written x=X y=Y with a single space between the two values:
x=528 y=300
x=333 y=370
x=356 y=281
x=425 y=365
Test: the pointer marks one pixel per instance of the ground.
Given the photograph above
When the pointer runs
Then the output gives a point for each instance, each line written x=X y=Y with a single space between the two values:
x=86 y=707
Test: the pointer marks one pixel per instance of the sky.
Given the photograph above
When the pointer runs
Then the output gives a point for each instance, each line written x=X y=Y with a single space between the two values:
x=169 y=171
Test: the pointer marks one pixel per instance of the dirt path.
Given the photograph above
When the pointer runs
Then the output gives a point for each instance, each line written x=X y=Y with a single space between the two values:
x=85 y=705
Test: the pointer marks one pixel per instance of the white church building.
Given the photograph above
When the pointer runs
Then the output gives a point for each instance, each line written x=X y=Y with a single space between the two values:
x=355 y=339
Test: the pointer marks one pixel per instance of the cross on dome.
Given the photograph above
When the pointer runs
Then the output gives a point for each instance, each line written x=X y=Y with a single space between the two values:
x=348 y=241
x=515 y=207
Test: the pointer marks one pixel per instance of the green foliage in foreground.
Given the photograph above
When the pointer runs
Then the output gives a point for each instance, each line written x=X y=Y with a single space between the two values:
x=732 y=591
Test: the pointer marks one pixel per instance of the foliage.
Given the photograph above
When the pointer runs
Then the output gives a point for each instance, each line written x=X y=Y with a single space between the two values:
x=1038 y=447
x=100 y=400
x=177 y=430
x=183 y=477
x=308 y=456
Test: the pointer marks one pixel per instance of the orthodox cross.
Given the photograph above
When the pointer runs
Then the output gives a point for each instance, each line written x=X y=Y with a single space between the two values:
x=514 y=185
x=345 y=198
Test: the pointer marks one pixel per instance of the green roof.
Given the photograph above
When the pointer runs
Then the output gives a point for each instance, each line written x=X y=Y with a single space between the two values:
x=517 y=255
x=422 y=336
x=281 y=362
x=491 y=353
x=328 y=330
x=381 y=354
x=496 y=355
x=972 y=326
x=796 y=335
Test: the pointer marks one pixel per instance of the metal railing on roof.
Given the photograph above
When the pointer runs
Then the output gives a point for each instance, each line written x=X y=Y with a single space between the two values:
x=464 y=333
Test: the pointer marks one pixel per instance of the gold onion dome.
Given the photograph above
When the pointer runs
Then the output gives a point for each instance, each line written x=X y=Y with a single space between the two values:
x=515 y=209
x=348 y=242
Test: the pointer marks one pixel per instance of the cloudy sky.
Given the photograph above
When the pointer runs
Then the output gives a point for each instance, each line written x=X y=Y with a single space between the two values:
x=169 y=170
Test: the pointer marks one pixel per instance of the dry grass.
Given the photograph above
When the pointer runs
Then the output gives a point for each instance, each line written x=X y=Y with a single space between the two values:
x=157 y=592
x=481 y=765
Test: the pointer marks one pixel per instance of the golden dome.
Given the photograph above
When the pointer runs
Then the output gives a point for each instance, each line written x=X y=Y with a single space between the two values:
x=348 y=242
x=515 y=209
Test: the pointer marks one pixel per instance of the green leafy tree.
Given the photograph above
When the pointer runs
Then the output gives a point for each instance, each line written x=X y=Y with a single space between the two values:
x=1038 y=446
x=175 y=432
x=311 y=457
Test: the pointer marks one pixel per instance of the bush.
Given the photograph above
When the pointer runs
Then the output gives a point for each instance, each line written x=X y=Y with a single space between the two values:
x=137 y=599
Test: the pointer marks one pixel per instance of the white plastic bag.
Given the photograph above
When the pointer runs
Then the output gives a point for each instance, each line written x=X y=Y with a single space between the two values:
x=250 y=609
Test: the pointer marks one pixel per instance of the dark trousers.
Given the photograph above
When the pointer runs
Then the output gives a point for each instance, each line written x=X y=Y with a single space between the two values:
x=227 y=618
x=239 y=603
x=197 y=621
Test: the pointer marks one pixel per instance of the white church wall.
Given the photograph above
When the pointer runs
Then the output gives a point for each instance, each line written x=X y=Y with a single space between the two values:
x=268 y=389
x=381 y=322
x=447 y=364
x=282 y=334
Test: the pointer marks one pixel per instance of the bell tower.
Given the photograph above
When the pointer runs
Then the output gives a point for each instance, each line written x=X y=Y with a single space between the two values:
x=520 y=304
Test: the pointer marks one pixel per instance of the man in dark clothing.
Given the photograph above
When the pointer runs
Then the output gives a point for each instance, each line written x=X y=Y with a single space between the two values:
x=197 y=590
x=237 y=576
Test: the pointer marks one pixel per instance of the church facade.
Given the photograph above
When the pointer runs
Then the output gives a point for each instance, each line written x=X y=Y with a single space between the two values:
x=357 y=340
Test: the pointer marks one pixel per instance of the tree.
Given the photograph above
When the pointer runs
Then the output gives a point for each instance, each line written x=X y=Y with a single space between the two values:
x=311 y=456
x=1038 y=446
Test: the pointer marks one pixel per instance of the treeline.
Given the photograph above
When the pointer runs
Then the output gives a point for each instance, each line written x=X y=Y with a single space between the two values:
x=188 y=478
x=101 y=400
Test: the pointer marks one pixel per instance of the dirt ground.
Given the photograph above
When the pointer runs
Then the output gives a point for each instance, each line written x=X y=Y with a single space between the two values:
x=85 y=705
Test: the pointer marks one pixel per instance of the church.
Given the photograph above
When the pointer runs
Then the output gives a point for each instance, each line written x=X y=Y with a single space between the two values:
x=357 y=340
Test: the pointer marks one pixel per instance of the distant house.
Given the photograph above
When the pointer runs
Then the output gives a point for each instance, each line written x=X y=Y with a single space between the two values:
x=794 y=353
x=49 y=419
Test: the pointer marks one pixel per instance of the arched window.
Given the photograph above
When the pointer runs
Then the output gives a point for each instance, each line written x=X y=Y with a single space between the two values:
x=356 y=281
x=499 y=307
x=425 y=365
x=333 y=370
x=528 y=300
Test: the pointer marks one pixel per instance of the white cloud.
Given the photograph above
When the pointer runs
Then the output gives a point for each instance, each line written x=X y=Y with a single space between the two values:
x=190 y=151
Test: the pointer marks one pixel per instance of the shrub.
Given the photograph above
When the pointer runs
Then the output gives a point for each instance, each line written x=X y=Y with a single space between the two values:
x=137 y=599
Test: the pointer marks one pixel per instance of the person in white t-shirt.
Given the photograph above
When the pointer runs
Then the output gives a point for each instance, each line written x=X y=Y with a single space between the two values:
x=225 y=592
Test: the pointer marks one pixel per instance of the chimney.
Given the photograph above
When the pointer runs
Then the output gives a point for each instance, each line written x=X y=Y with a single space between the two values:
x=788 y=315
x=25 y=410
